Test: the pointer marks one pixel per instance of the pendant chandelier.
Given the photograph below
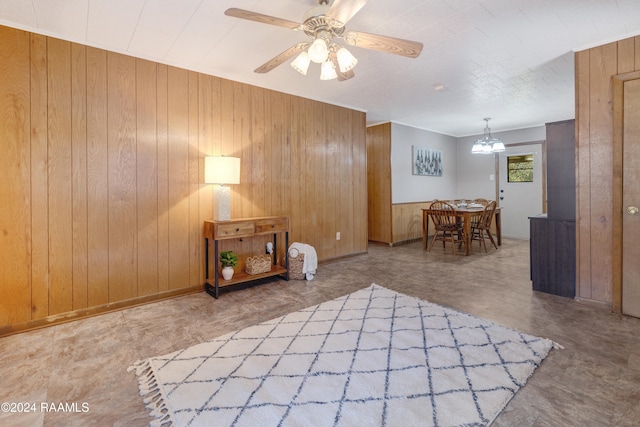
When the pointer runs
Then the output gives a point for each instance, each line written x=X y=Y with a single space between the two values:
x=487 y=144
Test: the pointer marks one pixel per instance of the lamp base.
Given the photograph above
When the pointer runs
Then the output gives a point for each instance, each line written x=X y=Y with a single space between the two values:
x=222 y=206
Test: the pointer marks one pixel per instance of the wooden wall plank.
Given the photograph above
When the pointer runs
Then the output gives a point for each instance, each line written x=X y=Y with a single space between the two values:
x=603 y=65
x=296 y=181
x=347 y=183
x=583 y=183
x=147 y=177
x=332 y=191
x=60 y=176
x=97 y=179
x=309 y=172
x=625 y=56
x=39 y=179
x=79 y=172
x=257 y=144
x=178 y=156
x=162 y=137
x=195 y=225
x=242 y=147
x=15 y=179
x=123 y=256
x=318 y=154
x=206 y=135
x=359 y=159
x=275 y=140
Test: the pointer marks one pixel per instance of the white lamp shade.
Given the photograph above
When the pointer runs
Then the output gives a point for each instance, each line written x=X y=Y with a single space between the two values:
x=327 y=71
x=221 y=170
x=346 y=61
x=477 y=147
x=498 y=146
x=301 y=63
x=318 y=51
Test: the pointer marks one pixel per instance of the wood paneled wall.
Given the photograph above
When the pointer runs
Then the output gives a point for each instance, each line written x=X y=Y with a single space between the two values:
x=407 y=221
x=379 y=182
x=594 y=164
x=102 y=201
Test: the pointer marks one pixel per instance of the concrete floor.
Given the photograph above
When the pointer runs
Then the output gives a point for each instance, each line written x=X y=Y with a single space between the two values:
x=593 y=381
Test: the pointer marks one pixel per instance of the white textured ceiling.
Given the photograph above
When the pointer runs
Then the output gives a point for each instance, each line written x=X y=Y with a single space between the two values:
x=511 y=60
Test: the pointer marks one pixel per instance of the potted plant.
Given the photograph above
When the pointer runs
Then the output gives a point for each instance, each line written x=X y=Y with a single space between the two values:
x=228 y=260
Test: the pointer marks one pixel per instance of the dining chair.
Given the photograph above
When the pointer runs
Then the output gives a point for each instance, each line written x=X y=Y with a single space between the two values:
x=448 y=227
x=481 y=201
x=481 y=225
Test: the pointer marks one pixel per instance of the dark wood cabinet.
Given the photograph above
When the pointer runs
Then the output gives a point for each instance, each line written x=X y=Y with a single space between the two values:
x=561 y=172
x=553 y=236
x=553 y=255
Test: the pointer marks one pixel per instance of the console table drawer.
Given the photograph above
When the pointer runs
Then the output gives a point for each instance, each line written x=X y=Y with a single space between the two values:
x=272 y=225
x=235 y=229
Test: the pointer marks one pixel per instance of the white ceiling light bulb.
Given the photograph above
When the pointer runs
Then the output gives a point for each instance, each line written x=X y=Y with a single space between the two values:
x=318 y=51
x=346 y=61
x=327 y=71
x=301 y=63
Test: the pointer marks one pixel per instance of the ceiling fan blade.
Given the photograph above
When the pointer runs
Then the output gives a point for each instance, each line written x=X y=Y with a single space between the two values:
x=341 y=76
x=279 y=59
x=344 y=76
x=344 y=10
x=258 y=17
x=393 y=45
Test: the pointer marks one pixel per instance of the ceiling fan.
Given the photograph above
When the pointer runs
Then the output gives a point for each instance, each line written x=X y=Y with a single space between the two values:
x=336 y=61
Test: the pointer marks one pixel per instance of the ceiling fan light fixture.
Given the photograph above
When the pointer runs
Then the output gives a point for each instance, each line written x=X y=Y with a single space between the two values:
x=319 y=51
x=327 y=71
x=324 y=24
x=346 y=60
x=301 y=63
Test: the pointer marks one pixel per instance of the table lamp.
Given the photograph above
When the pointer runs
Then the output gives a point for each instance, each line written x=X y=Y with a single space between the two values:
x=222 y=170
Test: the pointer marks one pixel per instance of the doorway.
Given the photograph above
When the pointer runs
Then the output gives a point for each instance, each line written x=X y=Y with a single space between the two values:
x=520 y=193
x=626 y=203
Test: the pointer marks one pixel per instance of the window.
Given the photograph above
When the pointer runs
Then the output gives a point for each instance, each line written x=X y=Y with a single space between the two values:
x=520 y=168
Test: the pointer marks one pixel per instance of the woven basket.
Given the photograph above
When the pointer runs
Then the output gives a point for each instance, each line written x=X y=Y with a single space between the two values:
x=296 y=260
x=258 y=264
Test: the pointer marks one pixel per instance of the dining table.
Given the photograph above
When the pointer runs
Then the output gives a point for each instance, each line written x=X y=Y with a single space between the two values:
x=464 y=213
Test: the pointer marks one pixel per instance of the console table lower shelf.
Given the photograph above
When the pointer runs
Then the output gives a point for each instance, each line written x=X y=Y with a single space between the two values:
x=213 y=286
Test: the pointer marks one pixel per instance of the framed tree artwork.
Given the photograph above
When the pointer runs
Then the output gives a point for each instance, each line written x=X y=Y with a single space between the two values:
x=427 y=161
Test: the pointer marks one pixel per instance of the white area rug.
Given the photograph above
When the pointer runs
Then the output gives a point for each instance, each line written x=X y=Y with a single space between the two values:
x=371 y=358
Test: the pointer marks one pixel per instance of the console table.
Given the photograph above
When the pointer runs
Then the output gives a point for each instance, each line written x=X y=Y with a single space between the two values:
x=244 y=228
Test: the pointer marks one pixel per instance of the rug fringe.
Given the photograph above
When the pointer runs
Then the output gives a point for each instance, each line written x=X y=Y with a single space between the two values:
x=151 y=393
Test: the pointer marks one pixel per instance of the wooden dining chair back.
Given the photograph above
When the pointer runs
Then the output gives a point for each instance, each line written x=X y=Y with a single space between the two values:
x=481 y=201
x=482 y=227
x=448 y=227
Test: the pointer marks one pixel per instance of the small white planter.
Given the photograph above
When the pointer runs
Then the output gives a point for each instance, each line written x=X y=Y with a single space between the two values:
x=227 y=273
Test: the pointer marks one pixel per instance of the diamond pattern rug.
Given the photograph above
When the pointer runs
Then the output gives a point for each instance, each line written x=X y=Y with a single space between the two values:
x=373 y=357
